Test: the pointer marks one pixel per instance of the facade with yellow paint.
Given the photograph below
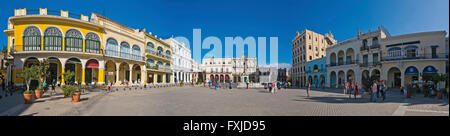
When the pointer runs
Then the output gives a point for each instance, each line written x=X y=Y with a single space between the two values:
x=158 y=56
x=68 y=41
x=96 y=48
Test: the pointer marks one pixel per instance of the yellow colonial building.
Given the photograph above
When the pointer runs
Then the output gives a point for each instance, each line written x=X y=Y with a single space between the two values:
x=158 y=56
x=96 y=48
x=70 y=42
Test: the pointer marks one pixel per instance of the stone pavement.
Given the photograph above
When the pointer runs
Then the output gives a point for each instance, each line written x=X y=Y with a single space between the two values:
x=55 y=105
x=200 y=101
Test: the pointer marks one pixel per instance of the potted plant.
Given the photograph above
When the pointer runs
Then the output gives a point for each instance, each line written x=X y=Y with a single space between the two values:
x=28 y=96
x=181 y=83
x=76 y=93
x=39 y=92
x=31 y=73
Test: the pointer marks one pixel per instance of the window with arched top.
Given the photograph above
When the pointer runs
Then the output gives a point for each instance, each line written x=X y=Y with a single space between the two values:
x=364 y=42
x=150 y=48
x=53 y=39
x=32 y=39
x=160 y=65
x=168 y=54
x=74 y=41
x=375 y=41
x=159 y=52
x=92 y=43
x=395 y=52
x=112 y=47
x=125 y=50
x=136 y=52
x=150 y=63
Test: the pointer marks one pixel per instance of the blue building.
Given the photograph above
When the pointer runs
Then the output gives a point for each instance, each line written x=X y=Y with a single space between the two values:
x=316 y=72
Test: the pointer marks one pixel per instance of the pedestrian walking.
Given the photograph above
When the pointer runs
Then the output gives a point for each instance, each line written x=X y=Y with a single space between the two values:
x=231 y=84
x=373 y=97
x=308 y=89
x=269 y=86
x=356 y=90
x=345 y=88
x=285 y=85
x=109 y=86
x=209 y=84
x=215 y=86
x=383 y=89
x=378 y=88
x=53 y=88
x=350 y=84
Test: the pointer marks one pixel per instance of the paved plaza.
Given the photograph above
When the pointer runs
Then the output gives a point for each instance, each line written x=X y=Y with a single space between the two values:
x=200 y=101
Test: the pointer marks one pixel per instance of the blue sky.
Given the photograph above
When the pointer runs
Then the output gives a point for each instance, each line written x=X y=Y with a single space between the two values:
x=257 y=18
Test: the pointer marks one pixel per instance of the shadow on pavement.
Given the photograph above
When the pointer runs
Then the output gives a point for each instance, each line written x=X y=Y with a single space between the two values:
x=337 y=96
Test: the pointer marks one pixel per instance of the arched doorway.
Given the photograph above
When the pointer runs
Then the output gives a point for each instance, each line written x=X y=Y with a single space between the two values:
x=341 y=56
x=316 y=81
x=124 y=72
x=394 y=77
x=110 y=72
x=74 y=65
x=136 y=77
x=350 y=55
x=375 y=74
x=350 y=76
x=411 y=75
x=227 y=78
x=332 y=79
x=341 y=78
x=91 y=76
x=366 y=80
x=27 y=64
x=333 y=59
x=428 y=73
x=54 y=71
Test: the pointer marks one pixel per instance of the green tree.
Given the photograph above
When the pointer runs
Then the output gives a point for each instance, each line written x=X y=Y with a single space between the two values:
x=44 y=65
x=68 y=76
x=31 y=73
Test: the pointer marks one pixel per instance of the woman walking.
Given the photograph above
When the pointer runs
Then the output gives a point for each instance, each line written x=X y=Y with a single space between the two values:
x=53 y=88
x=356 y=90
x=373 y=97
x=308 y=89
x=383 y=89
x=345 y=88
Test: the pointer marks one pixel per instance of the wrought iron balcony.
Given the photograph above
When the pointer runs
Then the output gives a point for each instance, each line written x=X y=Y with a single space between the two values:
x=364 y=48
x=375 y=46
x=415 y=56
x=369 y=64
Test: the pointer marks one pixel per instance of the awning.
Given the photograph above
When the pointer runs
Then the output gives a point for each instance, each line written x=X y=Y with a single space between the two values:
x=92 y=64
x=429 y=70
x=411 y=71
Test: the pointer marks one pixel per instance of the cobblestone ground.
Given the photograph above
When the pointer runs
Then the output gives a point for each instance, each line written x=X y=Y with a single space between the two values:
x=199 y=101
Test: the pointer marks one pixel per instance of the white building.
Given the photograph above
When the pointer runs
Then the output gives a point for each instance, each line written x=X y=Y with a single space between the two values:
x=182 y=61
x=225 y=69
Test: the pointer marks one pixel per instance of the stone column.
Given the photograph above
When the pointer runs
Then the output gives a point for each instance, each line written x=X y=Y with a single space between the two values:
x=155 y=78
x=131 y=73
x=117 y=73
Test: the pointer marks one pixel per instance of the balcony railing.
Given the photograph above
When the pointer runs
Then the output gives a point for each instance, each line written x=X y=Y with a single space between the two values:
x=363 y=48
x=151 y=66
x=342 y=63
x=46 y=12
x=375 y=46
x=369 y=64
x=150 y=51
x=415 y=56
